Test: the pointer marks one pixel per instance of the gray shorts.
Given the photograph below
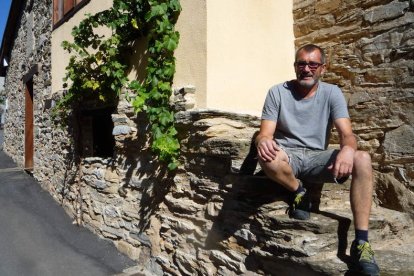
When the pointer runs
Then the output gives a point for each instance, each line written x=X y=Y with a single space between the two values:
x=312 y=165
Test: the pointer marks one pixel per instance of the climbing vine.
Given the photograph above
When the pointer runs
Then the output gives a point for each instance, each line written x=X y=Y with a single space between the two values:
x=98 y=65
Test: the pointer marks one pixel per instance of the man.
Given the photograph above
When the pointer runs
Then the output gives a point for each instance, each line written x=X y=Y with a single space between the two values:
x=292 y=146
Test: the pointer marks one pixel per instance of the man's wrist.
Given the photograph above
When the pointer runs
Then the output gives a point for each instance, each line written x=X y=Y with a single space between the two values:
x=259 y=139
x=349 y=148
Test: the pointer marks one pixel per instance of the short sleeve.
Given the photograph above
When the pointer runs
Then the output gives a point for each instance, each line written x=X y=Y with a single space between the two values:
x=339 y=108
x=271 y=106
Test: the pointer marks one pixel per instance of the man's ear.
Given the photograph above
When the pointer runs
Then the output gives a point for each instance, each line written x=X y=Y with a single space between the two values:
x=323 y=69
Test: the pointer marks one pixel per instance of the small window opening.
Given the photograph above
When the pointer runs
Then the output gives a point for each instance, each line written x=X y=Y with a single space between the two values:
x=96 y=132
x=64 y=9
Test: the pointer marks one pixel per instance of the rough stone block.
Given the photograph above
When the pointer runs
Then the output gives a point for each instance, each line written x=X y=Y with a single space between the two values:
x=142 y=238
x=186 y=263
x=128 y=249
x=182 y=205
x=221 y=258
x=327 y=6
x=122 y=130
x=399 y=141
x=387 y=12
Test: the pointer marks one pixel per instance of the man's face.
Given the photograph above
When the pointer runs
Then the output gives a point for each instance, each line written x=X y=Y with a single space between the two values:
x=308 y=68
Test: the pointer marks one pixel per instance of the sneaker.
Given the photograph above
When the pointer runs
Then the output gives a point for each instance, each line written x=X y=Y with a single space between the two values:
x=300 y=206
x=363 y=257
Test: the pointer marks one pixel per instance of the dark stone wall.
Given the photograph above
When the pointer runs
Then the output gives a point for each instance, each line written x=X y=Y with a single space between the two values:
x=31 y=59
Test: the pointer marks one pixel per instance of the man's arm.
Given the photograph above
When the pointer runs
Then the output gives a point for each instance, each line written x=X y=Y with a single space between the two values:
x=345 y=158
x=266 y=145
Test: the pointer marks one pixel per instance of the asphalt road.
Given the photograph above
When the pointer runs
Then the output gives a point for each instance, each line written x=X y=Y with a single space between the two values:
x=37 y=237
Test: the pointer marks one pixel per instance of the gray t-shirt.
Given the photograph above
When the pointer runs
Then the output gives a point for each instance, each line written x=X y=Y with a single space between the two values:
x=304 y=123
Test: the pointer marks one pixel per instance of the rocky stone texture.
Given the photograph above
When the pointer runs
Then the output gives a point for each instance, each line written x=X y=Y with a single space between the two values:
x=217 y=214
x=34 y=22
x=370 y=46
x=54 y=157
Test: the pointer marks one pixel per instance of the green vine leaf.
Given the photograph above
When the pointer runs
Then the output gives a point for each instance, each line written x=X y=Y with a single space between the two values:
x=134 y=23
x=98 y=68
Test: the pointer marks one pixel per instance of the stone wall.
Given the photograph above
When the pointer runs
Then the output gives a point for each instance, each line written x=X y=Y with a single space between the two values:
x=217 y=214
x=31 y=47
x=371 y=57
x=210 y=218
x=53 y=157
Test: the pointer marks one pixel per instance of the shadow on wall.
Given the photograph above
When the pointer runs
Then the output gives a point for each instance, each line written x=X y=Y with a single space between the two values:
x=131 y=161
x=241 y=206
x=90 y=130
x=151 y=178
x=244 y=219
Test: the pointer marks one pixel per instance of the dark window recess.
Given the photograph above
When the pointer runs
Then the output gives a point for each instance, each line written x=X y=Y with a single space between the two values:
x=96 y=138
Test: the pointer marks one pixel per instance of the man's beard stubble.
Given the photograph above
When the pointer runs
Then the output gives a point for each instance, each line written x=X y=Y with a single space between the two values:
x=306 y=83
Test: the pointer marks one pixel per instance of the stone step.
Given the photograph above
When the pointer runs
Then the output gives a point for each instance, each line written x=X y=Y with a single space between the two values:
x=330 y=205
x=327 y=219
x=254 y=213
x=394 y=256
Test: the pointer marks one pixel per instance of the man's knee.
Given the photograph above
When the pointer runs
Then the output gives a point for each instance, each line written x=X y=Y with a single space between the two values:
x=275 y=166
x=268 y=166
x=362 y=158
x=362 y=165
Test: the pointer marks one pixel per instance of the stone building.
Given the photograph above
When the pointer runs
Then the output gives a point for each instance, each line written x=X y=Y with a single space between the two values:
x=2 y=103
x=215 y=215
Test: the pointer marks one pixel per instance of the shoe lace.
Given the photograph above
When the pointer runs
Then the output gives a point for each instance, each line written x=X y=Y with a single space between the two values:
x=295 y=203
x=297 y=200
x=367 y=253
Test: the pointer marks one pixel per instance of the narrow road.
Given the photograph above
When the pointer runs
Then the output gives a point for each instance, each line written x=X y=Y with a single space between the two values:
x=37 y=237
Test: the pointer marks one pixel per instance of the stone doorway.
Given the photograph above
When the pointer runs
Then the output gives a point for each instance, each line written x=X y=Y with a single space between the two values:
x=28 y=126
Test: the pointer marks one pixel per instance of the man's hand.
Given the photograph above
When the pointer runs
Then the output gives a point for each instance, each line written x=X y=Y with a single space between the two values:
x=345 y=159
x=343 y=163
x=266 y=146
x=267 y=149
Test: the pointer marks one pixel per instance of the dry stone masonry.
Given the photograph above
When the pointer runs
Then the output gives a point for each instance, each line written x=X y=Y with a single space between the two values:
x=217 y=214
x=371 y=57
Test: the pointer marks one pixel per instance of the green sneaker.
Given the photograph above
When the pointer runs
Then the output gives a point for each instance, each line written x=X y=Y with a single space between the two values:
x=363 y=257
x=300 y=206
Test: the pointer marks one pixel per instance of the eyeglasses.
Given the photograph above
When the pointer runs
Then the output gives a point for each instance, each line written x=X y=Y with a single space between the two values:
x=312 y=65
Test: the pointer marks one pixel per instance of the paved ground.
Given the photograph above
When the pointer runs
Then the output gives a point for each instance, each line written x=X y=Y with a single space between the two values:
x=38 y=238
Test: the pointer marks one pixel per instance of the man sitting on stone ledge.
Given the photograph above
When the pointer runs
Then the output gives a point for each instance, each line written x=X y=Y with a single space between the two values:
x=292 y=146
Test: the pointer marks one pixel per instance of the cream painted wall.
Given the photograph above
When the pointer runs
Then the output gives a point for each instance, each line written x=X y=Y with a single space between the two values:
x=250 y=47
x=60 y=58
x=191 y=54
x=232 y=51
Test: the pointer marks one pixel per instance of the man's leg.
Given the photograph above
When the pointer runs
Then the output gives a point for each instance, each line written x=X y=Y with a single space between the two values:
x=281 y=172
x=361 y=190
x=361 y=200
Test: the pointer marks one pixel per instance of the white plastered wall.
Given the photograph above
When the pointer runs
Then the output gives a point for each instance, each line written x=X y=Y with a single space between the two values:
x=191 y=54
x=250 y=48
x=232 y=51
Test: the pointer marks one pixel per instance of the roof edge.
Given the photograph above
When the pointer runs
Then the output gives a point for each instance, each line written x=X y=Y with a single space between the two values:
x=9 y=32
